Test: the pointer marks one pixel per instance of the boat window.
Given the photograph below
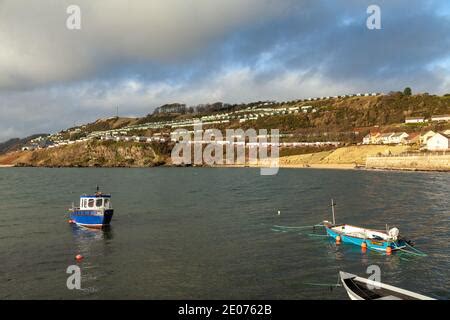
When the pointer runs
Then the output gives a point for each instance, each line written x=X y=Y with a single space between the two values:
x=91 y=203
x=99 y=203
x=106 y=203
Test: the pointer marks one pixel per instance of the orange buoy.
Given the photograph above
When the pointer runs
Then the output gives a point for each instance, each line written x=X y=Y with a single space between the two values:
x=78 y=257
x=364 y=245
x=388 y=250
x=363 y=249
x=338 y=239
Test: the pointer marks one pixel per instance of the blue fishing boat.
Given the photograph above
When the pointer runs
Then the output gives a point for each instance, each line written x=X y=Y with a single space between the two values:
x=95 y=211
x=385 y=241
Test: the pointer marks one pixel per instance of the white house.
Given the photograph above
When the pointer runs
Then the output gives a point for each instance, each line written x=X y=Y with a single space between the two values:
x=427 y=135
x=29 y=148
x=399 y=137
x=445 y=117
x=372 y=138
x=305 y=109
x=438 y=142
x=367 y=139
x=385 y=138
x=415 y=120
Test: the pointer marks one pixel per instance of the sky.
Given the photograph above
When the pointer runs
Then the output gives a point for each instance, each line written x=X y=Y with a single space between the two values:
x=140 y=54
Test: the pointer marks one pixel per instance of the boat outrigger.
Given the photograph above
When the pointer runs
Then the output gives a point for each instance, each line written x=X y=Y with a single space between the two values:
x=95 y=211
x=364 y=289
x=386 y=241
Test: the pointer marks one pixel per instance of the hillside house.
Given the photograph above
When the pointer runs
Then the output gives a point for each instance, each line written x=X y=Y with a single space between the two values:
x=399 y=138
x=305 y=109
x=410 y=120
x=438 y=142
x=427 y=135
x=372 y=138
x=385 y=138
x=367 y=139
x=441 y=118
x=30 y=147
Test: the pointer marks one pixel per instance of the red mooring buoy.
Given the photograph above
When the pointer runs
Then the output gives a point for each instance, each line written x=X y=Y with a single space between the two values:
x=79 y=257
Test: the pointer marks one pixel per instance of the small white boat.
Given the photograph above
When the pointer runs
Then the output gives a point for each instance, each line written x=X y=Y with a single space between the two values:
x=364 y=289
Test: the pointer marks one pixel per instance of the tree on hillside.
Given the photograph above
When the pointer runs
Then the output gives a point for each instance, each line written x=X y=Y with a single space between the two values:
x=407 y=91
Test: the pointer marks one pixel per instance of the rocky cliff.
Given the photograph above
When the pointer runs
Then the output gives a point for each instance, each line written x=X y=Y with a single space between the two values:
x=91 y=154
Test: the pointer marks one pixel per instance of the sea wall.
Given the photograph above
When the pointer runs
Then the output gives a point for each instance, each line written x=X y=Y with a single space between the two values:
x=410 y=162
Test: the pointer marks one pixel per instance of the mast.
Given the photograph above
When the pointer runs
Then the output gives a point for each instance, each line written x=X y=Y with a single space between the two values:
x=332 y=210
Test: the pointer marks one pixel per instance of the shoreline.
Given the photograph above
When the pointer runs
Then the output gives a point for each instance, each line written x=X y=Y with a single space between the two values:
x=299 y=166
x=335 y=166
x=344 y=158
x=340 y=167
x=311 y=166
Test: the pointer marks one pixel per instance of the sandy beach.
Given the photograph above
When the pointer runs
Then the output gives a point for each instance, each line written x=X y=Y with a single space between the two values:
x=322 y=166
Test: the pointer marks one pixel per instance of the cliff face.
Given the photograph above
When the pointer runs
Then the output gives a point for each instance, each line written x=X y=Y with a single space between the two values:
x=90 y=154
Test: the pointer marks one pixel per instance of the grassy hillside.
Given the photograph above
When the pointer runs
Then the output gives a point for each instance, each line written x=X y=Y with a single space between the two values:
x=333 y=115
x=345 y=119
x=99 y=125
x=356 y=112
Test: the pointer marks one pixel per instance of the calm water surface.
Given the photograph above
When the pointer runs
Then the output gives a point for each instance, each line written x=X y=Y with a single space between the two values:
x=209 y=233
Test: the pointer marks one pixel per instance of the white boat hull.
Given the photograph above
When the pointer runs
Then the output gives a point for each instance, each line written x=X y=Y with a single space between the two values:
x=373 y=290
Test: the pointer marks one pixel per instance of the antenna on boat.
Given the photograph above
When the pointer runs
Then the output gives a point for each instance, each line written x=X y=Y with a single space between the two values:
x=332 y=210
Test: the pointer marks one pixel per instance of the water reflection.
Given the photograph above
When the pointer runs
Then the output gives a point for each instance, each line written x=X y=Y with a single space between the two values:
x=92 y=243
x=95 y=246
x=349 y=252
x=87 y=235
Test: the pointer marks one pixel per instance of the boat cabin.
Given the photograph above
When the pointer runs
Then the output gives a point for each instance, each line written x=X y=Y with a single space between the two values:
x=95 y=202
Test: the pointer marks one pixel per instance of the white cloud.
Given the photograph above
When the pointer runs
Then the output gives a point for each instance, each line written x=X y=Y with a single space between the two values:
x=56 y=108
